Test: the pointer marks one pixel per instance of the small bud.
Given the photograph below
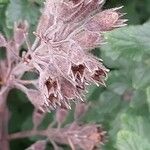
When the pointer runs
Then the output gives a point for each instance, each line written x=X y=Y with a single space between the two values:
x=37 y=117
x=61 y=115
x=80 y=110
x=39 y=145
x=20 y=31
x=104 y=21
x=2 y=41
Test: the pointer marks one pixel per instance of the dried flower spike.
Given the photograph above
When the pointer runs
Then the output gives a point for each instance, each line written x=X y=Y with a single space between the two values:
x=66 y=32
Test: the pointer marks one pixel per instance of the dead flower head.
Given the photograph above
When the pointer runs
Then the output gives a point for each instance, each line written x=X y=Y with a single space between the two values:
x=67 y=31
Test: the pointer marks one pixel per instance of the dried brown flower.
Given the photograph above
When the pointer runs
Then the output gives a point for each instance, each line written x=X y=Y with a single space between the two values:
x=85 y=137
x=67 y=30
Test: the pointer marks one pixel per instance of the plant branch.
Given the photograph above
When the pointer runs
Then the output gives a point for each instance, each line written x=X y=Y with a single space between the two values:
x=4 y=118
x=37 y=40
x=25 y=134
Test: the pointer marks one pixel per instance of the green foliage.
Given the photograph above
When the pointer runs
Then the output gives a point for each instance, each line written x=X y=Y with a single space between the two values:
x=4 y=1
x=123 y=107
x=21 y=10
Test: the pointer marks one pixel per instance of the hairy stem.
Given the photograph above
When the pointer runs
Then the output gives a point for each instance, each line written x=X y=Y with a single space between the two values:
x=27 y=134
x=37 y=40
x=4 y=118
x=52 y=134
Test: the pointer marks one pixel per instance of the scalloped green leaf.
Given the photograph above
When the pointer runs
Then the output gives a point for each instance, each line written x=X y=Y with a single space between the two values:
x=141 y=76
x=127 y=140
x=137 y=124
x=129 y=42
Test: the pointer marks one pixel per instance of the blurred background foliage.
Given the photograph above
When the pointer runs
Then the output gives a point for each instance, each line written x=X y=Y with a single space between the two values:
x=123 y=107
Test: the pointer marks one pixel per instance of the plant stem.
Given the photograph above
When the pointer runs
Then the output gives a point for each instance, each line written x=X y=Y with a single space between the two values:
x=52 y=134
x=37 y=40
x=4 y=118
x=27 y=134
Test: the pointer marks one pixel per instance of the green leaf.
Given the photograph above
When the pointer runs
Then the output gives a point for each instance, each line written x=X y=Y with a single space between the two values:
x=20 y=110
x=141 y=76
x=27 y=124
x=130 y=42
x=19 y=10
x=106 y=106
x=127 y=140
x=148 y=96
x=118 y=81
x=138 y=99
x=127 y=48
x=2 y=53
x=40 y=2
x=137 y=124
x=4 y=1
